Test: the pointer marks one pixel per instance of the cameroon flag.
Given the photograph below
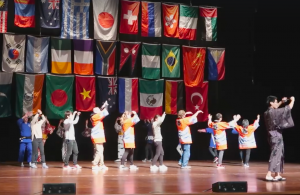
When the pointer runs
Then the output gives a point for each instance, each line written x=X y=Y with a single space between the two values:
x=59 y=95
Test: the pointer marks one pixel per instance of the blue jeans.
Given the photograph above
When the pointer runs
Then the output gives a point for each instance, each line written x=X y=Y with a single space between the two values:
x=185 y=155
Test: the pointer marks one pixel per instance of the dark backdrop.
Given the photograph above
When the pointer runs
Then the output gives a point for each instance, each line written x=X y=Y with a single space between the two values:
x=261 y=42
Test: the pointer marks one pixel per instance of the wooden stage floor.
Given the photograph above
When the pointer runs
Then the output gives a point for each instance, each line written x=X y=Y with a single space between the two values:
x=24 y=180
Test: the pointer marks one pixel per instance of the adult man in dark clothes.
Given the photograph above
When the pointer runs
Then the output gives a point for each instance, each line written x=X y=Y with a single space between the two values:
x=277 y=119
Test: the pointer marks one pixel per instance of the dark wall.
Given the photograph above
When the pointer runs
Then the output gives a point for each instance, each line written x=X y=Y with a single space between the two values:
x=261 y=55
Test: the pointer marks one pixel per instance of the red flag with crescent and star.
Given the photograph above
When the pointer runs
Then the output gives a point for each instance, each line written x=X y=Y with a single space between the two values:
x=129 y=17
x=85 y=93
x=196 y=99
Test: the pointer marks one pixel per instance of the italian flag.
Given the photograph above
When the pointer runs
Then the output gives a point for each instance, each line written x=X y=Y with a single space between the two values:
x=151 y=61
x=151 y=98
x=29 y=93
x=188 y=22
x=209 y=15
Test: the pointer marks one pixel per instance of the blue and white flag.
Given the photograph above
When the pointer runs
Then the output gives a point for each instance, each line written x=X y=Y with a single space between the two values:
x=49 y=10
x=75 y=19
x=37 y=54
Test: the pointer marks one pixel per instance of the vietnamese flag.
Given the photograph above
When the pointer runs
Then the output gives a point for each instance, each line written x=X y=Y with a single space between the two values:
x=85 y=93
x=25 y=13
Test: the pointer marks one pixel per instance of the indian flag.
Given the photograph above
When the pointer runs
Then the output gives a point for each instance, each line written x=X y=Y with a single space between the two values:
x=61 y=56
x=209 y=23
x=29 y=93
x=188 y=22
x=151 y=61
x=151 y=98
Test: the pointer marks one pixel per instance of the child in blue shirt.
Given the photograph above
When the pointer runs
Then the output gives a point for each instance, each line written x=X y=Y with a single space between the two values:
x=212 y=144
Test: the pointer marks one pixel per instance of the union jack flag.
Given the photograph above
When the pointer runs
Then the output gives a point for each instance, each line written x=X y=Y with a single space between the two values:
x=112 y=85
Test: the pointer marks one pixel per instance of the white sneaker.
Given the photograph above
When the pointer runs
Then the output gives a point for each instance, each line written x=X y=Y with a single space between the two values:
x=95 y=167
x=103 y=167
x=22 y=164
x=186 y=167
x=150 y=160
x=77 y=166
x=67 y=167
x=246 y=165
x=45 y=166
x=29 y=164
x=33 y=165
x=145 y=160
x=153 y=168
x=118 y=160
x=163 y=168
x=122 y=167
x=133 y=167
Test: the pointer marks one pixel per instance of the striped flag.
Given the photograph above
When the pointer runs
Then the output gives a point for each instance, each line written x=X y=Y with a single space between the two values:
x=37 y=54
x=151 y=19
x=128 y=94
x=208 y=23
x=151 y=98
x=49 y=13
x=216 y=63
x=75 y=18
x=105 y=57
x=3 y=16
x=25 y=13
x=174 y=96
x=151 y=61
x=83 y=57
x=188 y=22
x=61 y=56
x=170 y=20
x=29 y=93
x=5 y=93
x=13 y=53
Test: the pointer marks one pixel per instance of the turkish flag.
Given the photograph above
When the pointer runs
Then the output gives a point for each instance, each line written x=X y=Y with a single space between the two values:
x=196 y=99
x=129 y=17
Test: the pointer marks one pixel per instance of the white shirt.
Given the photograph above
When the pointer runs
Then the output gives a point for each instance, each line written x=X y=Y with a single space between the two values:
x=156 y=128
x=36 y=126
x=69 y=127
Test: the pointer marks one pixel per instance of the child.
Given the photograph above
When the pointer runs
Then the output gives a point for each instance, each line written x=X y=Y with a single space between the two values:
x=118 y=128
x=212 y=145
x=246 y=138
x=46 y=129
x=179 y=150
x=149 y=140
x=128 y=122
x=61 y=133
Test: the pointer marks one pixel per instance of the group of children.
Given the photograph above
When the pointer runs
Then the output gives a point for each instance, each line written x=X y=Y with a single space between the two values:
x=124 y=126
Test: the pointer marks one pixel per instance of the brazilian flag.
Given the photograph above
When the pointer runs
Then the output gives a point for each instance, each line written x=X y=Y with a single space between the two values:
x=171 y=61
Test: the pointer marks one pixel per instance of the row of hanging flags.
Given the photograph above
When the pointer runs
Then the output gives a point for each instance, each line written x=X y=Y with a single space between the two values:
x=90 y=91
x=179 y=21
x=156 y=59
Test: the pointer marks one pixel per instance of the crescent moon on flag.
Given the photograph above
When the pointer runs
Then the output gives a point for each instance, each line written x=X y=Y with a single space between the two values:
x=197 y=94
x=3 y=95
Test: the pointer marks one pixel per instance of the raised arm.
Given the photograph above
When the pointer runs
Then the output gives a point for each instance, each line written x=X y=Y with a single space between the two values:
x=291 y=104
x=34 y=119
x=209 y=122
x=76 y=118
x=256 y=122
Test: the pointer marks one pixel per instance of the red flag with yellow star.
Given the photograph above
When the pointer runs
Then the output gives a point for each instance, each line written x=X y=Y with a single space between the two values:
x=85 y=93
x=193 y=65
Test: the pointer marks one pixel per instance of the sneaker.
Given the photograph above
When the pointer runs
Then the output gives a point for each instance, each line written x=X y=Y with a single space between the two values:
x=133 y=167
x=103 y=167
x=270 y=178
x=186 y=167
x=216 y=159
x=77 y=166
x=150 y=160
x=22 y=164
x=179 y=163
x=67 y=167
x=246 y=165
x=45 y=166
x=220 y=166
x=153 y=168
x=29 y=164
x=122 y=167
x=163 y=168
x=145 y=160
x=118 y=160
x=33 y=165
x=95 y=167
x=279 y=178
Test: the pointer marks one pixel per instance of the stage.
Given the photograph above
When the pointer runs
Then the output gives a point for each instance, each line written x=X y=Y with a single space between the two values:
x=24 y=180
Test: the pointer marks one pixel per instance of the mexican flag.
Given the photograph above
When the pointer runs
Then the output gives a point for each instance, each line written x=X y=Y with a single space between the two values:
x=151 y=98
x=59 y=95
x=29 y=93
x=151 y=61
x=188 y=22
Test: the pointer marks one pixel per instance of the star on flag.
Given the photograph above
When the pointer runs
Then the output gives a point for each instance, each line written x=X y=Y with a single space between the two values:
x=86 y=94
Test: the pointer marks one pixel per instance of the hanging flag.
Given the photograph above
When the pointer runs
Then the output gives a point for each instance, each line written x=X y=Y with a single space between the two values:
x=196 y=99
x=151 y=61
x=83 y=57
x=193 y=65
x=170 y=20
x=5 y=94
x=3 y=16
x=61 y=56
x=75 y=16
x=85 y=93
x=105 y=57
x=171 y=61
x=105 y=19
x=29 y=93
x=129 y=50
x=49 y=11
x=216 y=63
x=174 y=96
x=188 y=22
x=128 y=94
x=59 y=95
x=151 y=19
x=37 y=54
x=25 y=13
x=151 y=98
x=13 y=53
x=129 y=17
x=208 y=23
x=107 y=90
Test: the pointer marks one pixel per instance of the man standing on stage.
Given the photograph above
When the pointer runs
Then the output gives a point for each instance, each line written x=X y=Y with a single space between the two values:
x=274 y=120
